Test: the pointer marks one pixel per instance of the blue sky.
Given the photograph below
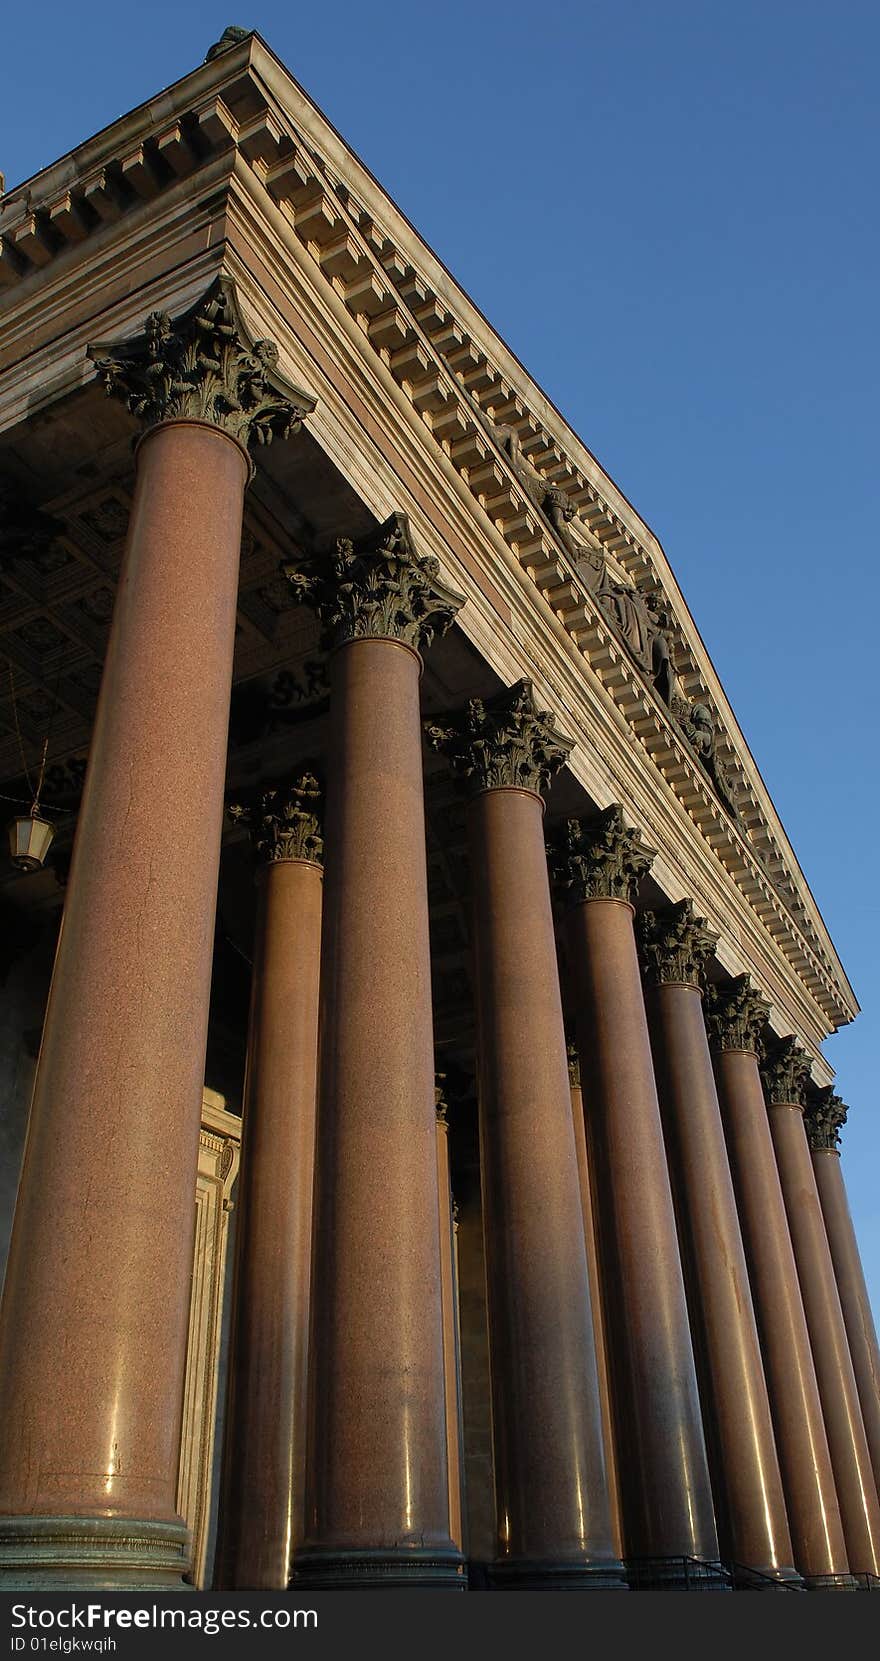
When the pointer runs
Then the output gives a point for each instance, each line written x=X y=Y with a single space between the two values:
x=669 y=212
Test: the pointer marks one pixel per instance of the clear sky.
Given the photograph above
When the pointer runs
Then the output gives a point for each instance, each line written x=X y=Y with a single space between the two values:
x=669 y=211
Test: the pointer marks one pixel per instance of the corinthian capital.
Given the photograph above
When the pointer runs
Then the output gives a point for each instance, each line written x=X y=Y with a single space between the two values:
x=824 y=1119
x=202 y=367
x=285 y=824
x=598 y=859
x=674 y=944
x=785 y=1070
x=502 y=742
x=735 y=1015
x=379 y=588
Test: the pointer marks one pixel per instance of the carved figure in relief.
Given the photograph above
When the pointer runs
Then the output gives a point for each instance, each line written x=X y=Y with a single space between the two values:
x=640 y=619
x=556 y=506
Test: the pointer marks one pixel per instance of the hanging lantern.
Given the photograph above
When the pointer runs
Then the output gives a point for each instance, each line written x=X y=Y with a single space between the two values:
x=29 y=842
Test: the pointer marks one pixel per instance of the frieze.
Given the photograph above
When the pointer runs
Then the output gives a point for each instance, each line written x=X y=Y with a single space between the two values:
x=736 y=1015
x=824 y=1119
x=201 y=367
x=674 y=945
x=504 y=742
x=379 y=588
x=598 y=858
x=640 y=618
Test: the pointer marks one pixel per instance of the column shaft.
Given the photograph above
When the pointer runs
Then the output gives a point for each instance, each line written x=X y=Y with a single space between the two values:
x=551 y=1482
x=261 y=1517
x=101 y=1255
x=854 y=1477
x=854 y=1298
x=751 y=1505
x=599 y=1323
x=377 y=1508
x=448 y=1298
x=802 y=1444
x=665 y=1485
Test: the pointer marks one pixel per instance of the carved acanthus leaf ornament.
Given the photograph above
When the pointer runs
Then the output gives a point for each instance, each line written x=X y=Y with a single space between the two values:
x=824 y=1119
x=674 y=945
x=736 y=1015
x=500 y=743
x=202 y=367
x=379 y=588
x=285 y=824
x=785 y=1072
x=598 y=859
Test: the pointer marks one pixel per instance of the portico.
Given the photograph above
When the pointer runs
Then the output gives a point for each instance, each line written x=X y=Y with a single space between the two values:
x=359 y=607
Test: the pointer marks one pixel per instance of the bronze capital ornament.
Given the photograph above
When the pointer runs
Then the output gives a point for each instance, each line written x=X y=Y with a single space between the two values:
x=785 y=1072
x=674 y=945
x=824 y=1118
x=379 y=588
x=599 y=858
x=285 y=823
x=203 y=367
x=736 y=1015
x=499 y=743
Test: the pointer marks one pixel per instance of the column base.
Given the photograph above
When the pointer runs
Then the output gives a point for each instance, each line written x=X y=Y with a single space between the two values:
x=537 y=1574
x=749 y=1579
x=109 y=1553
x=337 y=1570
x=832 y=1583
x=677 y=1574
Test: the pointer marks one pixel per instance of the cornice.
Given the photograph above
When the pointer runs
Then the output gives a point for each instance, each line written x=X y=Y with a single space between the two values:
x=583 y=705
x=641 y=710
x=253 y=167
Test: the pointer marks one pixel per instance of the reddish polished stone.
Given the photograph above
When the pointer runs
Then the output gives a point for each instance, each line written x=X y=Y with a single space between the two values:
x=598 y=1314
x=664 y=1474
x=377 y=1493
x=550 y=1479
x=854 y=1298
x=801 y=1440
x=96 y=1303
x=853 y=1473
x=751 y=1506
x=261 y=1512
x=449 y=1300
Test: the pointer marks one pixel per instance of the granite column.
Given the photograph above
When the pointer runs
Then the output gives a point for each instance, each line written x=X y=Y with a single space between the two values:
x=735 y=1017
x=553 y=1512
x=675 y=945
x=823 y=1120
x=261 y=1511
x=594 y=1275
x=784 y=1071
x=377 y=1482
x=449 y=1301
x=101 y=1256
x=665 y=1487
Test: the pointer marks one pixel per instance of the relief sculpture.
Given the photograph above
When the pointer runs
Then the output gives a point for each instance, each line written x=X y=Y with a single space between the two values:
x=639 y=619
